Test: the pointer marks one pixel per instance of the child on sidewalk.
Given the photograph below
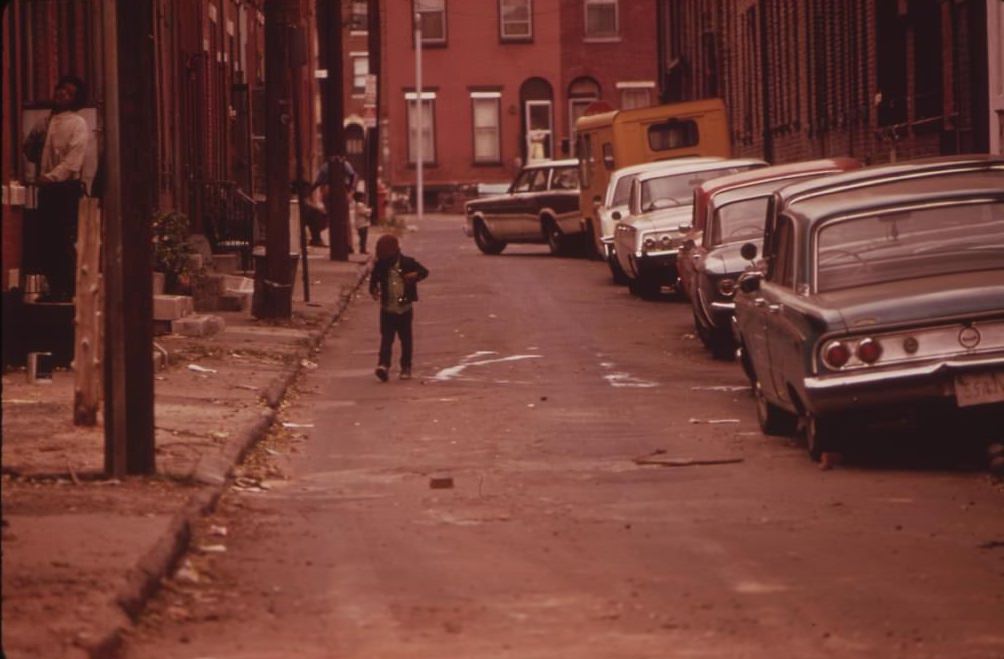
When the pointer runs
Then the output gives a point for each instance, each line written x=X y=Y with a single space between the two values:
x=394 y=282
x=361 y=219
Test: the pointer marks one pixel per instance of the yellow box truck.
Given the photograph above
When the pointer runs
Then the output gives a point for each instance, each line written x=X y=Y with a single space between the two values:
x=606 y=141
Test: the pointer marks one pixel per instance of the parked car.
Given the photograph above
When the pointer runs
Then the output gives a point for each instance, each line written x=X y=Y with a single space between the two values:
x=879 y=300
x=728 y=212
x=614 y=206
x=647 y=240
x=541 y=206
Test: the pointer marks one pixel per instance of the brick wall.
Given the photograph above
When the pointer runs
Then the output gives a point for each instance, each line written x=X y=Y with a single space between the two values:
x=873 y=79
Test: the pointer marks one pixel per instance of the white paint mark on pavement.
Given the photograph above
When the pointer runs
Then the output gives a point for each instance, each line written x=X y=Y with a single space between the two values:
x=622 y=379
x=472 y=360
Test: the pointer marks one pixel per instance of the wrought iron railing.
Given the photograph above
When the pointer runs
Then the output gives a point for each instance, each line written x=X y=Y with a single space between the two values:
x=228 y=219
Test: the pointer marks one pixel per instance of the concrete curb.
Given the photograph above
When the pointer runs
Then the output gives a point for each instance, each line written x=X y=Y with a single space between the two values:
x=143 y=579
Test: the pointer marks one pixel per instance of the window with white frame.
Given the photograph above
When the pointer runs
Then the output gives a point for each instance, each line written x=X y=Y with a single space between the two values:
x=427 y=133
x=601 y=19
x=635 y=94
x=360 y=11
x=360 y=69
x=516 y=20
x=432 y=14
x=486 y=114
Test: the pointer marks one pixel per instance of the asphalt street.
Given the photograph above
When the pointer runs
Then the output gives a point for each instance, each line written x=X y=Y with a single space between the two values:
x=570 y=475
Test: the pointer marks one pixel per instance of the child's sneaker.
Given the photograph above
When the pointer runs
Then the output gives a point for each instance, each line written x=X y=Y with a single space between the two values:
x=381 y=372
x=406 y=374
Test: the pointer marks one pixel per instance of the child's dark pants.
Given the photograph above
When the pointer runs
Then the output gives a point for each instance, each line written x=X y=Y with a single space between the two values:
x=399 y=324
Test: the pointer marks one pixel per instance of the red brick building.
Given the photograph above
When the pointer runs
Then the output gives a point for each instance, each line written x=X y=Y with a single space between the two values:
x=504 y=80
x=874 y=79
x=209 y=69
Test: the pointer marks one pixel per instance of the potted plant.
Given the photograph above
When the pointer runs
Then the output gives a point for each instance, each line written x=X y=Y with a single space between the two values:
x=172 y=253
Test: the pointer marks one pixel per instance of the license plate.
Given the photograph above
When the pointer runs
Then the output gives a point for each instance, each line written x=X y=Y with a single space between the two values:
x=979 y=389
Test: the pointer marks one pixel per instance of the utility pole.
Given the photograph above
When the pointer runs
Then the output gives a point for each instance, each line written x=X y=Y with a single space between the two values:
x=329 y=27
x=130 y=187
x=419 y=119
x=373 y=144
x=277 y=286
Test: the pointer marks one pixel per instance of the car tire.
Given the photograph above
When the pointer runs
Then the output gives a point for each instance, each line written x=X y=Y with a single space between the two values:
x=702 y=332
x=616 y=271
x=645 y=288
x=821 y=435
x=772 y=419
x=593 y=250
x=723 y=346
x=483 y=239
x=552 y=234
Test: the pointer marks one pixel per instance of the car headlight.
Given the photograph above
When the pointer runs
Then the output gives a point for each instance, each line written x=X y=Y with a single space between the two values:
x=726 y=287
x=649 y=243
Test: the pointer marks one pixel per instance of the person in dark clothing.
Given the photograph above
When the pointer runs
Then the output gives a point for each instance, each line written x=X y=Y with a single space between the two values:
x=57 y=145
x=394 y=282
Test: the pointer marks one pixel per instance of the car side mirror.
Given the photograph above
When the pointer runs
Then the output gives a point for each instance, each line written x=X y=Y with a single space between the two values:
x=616 y=215
x=684 y=228
x=750 y=281
x=748 y=251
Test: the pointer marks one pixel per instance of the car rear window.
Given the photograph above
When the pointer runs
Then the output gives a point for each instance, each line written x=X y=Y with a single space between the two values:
x=905 y=244
x=565 y=178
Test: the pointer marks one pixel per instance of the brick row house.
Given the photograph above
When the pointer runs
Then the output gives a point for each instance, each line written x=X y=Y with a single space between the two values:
x=874 y=79
x=209 y=68
x=504 y=82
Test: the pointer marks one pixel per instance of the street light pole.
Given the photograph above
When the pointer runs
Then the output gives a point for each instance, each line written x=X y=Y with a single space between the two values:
x=419 y=133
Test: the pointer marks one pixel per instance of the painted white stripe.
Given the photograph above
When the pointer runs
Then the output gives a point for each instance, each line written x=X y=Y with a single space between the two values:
x=454 y=371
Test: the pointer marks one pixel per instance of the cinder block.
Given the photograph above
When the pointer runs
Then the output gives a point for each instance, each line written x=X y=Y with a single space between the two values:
x=235 y=301
x=238 y=284
x=198 y=325
x=170 y=307
x=226 y=263
x=207 y=290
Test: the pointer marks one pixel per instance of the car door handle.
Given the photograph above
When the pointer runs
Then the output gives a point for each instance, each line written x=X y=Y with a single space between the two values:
x=774 y=308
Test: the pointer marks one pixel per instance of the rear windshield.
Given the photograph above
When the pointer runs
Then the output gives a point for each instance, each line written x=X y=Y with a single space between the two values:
x=678 y=189
x=963 y=237
x=739 y=221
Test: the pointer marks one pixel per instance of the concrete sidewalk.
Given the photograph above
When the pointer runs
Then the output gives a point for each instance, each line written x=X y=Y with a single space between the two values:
x=82 y=553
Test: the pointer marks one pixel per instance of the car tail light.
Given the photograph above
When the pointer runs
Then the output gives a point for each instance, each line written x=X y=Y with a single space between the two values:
x=869 y=351
x=727 y=287
x=836 y=354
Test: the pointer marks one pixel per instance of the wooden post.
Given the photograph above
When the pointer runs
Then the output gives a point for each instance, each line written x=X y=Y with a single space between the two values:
x=89 y=316
x=276 y=290
x=130 y=187
x=329 y=27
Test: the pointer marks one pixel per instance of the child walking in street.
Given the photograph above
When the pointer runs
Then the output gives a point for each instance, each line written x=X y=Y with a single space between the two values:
x=394 y=282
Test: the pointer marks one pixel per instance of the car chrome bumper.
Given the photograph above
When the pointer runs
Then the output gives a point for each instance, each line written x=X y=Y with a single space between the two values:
x=653 y=260
x=907 y=384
